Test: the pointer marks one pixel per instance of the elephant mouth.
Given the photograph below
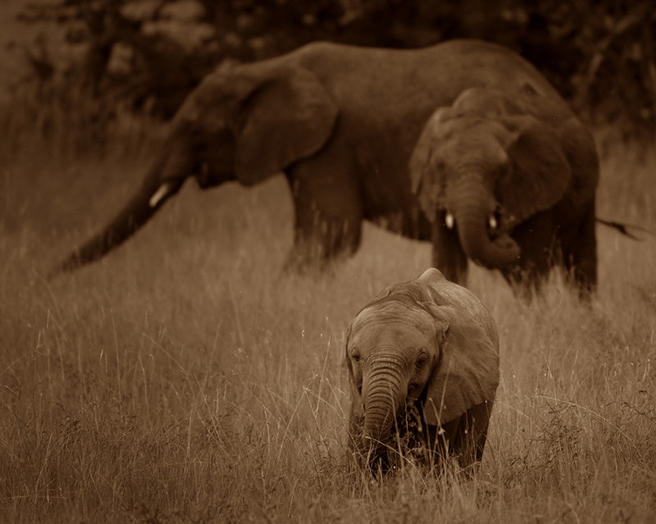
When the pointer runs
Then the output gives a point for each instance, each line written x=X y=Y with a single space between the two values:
x=498 y=223
x=485 y=237
x=210 y=176
x=499 y=229
x=404 y=443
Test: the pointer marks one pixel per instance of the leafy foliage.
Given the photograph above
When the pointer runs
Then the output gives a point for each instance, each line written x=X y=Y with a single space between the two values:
x=598 y=53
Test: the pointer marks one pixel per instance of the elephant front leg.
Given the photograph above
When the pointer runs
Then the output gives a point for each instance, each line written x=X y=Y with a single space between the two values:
x=319 y=239
x=448 y=255
x=356 y=452
x=462 y=439
x=469 y=442
x=328 y=225
x=539 y=252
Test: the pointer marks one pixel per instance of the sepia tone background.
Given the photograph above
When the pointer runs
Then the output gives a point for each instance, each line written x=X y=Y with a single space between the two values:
x=187 y=378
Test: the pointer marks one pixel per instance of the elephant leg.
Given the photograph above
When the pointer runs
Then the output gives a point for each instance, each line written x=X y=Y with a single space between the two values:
x=355 y=438
x=580 y=254
x=538 y=253
x=319 y=239
x=471 y=435
x=328 y=219
x=448 y=255
x=462 y=439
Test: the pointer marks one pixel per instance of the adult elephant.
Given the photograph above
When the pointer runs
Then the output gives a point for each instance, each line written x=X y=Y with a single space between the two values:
x=508 y=178
x=341 y=122
x=423 y=361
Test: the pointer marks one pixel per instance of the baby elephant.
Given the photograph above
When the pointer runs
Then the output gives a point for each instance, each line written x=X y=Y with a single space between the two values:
x=423 y=360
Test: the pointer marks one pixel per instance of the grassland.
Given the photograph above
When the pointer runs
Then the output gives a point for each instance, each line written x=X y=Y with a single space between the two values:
x=186 y=378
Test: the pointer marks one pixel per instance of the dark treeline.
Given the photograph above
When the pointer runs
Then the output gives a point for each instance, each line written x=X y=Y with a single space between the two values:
x=598 y=53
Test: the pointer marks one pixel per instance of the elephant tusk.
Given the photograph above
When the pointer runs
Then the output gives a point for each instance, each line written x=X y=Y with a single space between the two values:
x=449 y=220
x=161 y=193
x=492 y=221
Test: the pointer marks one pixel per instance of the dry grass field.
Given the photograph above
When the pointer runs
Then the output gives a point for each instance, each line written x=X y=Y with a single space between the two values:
x=186 y=378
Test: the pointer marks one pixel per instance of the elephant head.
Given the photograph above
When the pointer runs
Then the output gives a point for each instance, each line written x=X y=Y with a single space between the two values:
x=487 y=163
x=428 y=345
x=244 y=124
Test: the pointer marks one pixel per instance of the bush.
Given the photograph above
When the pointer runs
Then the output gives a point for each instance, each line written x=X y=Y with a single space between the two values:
x=151 y=53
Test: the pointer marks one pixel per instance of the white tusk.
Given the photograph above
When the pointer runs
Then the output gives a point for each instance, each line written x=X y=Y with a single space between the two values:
x=493 y=222
x=449 y=220
x=160 y=194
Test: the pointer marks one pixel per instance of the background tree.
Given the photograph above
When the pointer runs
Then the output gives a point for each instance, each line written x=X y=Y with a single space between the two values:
x=150 y=53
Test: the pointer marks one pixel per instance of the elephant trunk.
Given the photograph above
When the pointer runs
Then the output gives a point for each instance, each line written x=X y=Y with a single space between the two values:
x=165 y=177
x=473 y=206
x=383 y=397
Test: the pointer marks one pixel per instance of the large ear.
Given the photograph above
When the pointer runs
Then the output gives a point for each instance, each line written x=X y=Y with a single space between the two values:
x=357 y=410
x=289 y=116
x=540 y=173
x=423 y=172
x=468 y=371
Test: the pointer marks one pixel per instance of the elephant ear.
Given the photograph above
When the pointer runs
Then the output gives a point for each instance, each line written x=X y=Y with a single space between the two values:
x=357 y=409
x=288 y=116
x=468 y=371
x=540 y=172
x=424 y=177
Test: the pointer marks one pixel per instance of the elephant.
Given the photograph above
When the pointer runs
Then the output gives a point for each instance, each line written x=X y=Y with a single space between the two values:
x=508 y=179
x=423 y=367
x=340 y=122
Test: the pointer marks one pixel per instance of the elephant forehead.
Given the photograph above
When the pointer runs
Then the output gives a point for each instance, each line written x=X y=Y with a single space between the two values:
x=392 y=323
x=467 y=136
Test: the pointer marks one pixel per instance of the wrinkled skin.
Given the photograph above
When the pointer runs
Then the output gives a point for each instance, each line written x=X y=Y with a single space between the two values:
x=423 y=361
x=339 y=121
x=508 y=179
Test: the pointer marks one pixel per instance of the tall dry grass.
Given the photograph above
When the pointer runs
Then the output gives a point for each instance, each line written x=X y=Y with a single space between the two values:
x=186 y=378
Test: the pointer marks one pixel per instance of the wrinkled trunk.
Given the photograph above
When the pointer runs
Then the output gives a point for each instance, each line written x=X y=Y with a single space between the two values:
x=383 y=397
x=472 y=206
x=164 y=179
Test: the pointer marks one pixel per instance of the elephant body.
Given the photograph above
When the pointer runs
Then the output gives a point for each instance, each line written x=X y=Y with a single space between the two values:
x=423 y=361
x=340 y=121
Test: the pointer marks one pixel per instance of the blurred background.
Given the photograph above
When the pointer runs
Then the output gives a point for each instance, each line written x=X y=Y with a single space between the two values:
x=146 y=55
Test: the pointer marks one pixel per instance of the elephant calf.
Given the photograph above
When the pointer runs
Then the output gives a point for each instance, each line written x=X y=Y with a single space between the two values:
x=423 y=361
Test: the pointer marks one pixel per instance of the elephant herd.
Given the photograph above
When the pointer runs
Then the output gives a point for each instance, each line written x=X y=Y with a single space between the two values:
x=465 y=141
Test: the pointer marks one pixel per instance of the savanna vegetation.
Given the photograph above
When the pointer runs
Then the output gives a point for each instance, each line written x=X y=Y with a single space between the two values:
x=187 y=378
x=150 y=53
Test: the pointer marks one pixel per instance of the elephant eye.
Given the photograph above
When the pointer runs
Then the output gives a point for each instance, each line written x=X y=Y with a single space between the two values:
x=355 y=356
x=421 y=361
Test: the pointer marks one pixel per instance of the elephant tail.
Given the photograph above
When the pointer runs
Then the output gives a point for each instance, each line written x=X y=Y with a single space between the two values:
x=626 y=229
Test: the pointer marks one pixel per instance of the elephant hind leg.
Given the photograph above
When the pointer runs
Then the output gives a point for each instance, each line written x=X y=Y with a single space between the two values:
x=580 y=254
